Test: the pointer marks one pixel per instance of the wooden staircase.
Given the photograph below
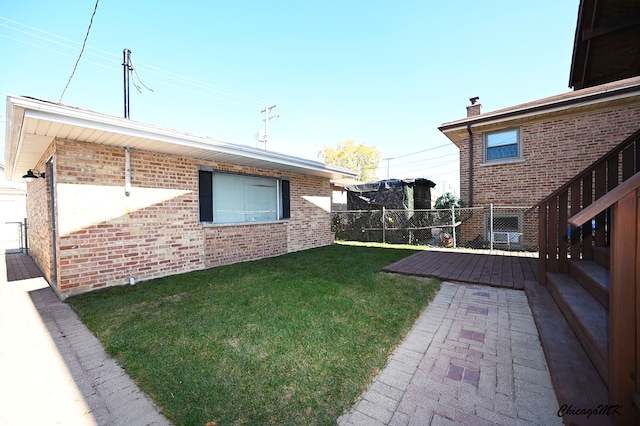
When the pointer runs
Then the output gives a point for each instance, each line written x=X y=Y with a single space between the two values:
x=587 y=309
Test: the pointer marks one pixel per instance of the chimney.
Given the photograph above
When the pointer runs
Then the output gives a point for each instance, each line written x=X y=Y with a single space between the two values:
x=475 y=108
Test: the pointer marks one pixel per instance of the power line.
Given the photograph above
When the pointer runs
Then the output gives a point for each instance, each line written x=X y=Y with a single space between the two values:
x=84 y=43
x=418 y=152
x=223 y=94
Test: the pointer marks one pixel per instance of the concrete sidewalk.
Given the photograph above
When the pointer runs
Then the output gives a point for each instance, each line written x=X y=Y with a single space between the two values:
x=53 y=370
x=472 y=358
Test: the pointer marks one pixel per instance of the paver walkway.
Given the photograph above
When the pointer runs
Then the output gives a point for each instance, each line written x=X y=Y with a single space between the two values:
x=53 y=370
x=472 y=358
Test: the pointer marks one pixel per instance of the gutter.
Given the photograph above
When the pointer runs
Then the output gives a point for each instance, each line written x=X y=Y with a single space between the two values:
x=610 y=93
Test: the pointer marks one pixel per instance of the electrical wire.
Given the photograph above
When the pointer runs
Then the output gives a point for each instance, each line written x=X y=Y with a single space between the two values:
x=248 y=101
x=84 y=43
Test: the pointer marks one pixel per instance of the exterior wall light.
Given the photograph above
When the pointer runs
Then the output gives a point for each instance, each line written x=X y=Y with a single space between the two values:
x=30 y=176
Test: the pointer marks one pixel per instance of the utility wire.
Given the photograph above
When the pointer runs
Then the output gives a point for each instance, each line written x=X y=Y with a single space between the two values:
x=418 y=152
x=84 y=43
x=223 y=94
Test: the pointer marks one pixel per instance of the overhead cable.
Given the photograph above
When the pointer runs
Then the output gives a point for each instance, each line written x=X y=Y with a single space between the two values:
x=84 y=43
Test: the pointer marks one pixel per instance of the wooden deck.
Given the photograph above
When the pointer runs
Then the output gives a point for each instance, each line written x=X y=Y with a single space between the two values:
x=499 y=270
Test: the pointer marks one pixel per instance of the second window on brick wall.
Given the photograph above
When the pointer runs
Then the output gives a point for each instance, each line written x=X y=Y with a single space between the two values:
x=233 y=198
x=502 y=146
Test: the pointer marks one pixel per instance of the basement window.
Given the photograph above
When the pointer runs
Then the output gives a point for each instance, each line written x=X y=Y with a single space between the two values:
x=508 y=229
x=502 y=146
x=234 y=198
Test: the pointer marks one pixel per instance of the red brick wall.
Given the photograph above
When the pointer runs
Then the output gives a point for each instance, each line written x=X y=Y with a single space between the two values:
x=40 y=236
x=105 y=237
x=555 y=149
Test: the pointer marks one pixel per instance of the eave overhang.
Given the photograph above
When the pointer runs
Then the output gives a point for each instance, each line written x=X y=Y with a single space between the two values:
x=33 y=124
x=624 y=91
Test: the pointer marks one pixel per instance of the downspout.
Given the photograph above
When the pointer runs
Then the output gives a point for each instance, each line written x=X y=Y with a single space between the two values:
x=127 y=171
x=470 y=165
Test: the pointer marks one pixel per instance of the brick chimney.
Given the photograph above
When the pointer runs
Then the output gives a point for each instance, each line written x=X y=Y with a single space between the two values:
x=475 y=108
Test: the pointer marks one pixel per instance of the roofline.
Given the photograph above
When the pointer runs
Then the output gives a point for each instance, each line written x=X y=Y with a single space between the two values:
x=551 y=104
x=51 y=111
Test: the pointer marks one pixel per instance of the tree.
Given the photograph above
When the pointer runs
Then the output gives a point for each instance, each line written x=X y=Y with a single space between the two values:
x=361 y=158
x=447 y=200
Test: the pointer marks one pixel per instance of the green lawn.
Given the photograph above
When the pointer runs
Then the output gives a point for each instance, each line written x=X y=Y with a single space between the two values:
x=288 y=340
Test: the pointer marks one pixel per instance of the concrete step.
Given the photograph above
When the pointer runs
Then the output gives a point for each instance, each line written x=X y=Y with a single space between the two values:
x=588 y=318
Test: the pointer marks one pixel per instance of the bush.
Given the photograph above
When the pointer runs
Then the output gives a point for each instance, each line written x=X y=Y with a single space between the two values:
x=447 y=200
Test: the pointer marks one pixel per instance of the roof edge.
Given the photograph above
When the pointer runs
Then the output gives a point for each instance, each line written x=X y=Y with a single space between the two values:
x=19 y=106
x=582 y=97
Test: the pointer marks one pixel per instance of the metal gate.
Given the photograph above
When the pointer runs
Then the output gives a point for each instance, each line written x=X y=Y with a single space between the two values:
x=13 y=237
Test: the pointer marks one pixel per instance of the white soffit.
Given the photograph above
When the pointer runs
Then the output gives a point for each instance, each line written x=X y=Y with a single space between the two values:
x=32 y=124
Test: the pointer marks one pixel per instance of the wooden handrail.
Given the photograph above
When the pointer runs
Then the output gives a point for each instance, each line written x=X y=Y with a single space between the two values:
x=606 y=201
x=613 y=152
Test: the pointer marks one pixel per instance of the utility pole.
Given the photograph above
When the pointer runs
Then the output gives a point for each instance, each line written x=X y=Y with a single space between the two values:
x=388 y=160
x=126 y=63
x=266 y=119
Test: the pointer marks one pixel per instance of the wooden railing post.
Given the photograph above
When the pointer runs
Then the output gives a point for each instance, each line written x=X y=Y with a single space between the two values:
x=587 y=228
x=623 y=307
x=563 y=227
x=542 y=244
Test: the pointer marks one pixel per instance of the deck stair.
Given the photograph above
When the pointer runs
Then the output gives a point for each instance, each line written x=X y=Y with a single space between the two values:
x=586 y=306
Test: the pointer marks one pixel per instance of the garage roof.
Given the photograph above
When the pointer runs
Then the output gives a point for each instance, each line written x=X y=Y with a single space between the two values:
x=32 y=124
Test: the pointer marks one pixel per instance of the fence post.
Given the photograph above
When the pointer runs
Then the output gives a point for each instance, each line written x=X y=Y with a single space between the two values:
x=491 y=226
x=384 y=226
x=25 y=244
x=453 y=226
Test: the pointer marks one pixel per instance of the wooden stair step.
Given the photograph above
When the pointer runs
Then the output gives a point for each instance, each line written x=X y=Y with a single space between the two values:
x=575 y=378
x=602 y=256
x=593 y=277
x=588 y=319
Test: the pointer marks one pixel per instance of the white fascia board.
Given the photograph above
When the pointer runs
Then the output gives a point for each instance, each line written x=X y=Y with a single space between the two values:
x=92 y=120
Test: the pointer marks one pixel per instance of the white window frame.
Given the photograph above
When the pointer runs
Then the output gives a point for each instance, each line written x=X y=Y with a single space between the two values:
x=485 y=147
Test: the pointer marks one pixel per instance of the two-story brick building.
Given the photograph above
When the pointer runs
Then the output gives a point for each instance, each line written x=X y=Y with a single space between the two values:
x=518 y=155
x=115 y=201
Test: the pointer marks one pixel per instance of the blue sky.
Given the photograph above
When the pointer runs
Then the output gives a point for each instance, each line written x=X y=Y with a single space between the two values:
x=382 y=73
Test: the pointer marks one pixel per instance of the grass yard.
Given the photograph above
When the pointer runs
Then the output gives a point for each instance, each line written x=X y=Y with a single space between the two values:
x=287 y=340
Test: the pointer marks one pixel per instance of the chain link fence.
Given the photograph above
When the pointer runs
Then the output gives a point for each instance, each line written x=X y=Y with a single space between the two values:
x=13 y=237
x=490 y=227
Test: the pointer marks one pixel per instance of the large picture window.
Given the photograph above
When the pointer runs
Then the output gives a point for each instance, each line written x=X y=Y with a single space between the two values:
x=502 y=146
x=233 y=198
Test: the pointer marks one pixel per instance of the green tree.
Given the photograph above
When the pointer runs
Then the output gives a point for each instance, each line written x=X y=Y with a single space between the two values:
x=447 y=200
x=361 y=158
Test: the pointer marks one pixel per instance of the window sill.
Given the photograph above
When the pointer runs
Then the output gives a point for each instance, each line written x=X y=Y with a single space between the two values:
x=506 y=161
x=224 y=225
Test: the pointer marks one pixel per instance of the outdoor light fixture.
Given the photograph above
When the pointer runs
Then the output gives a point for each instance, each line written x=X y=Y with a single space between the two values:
x=30 y=176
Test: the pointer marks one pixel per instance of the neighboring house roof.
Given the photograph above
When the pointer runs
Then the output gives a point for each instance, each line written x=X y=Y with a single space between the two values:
x=606 y=44
x=578 y=100
x=32 y=124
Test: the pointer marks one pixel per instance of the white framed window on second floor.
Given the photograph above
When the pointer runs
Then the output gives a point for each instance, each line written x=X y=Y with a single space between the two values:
x=502 y=146
x=235 y=198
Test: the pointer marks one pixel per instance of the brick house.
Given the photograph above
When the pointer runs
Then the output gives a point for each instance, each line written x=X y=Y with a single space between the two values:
x=518 y=155
x=115 y=201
